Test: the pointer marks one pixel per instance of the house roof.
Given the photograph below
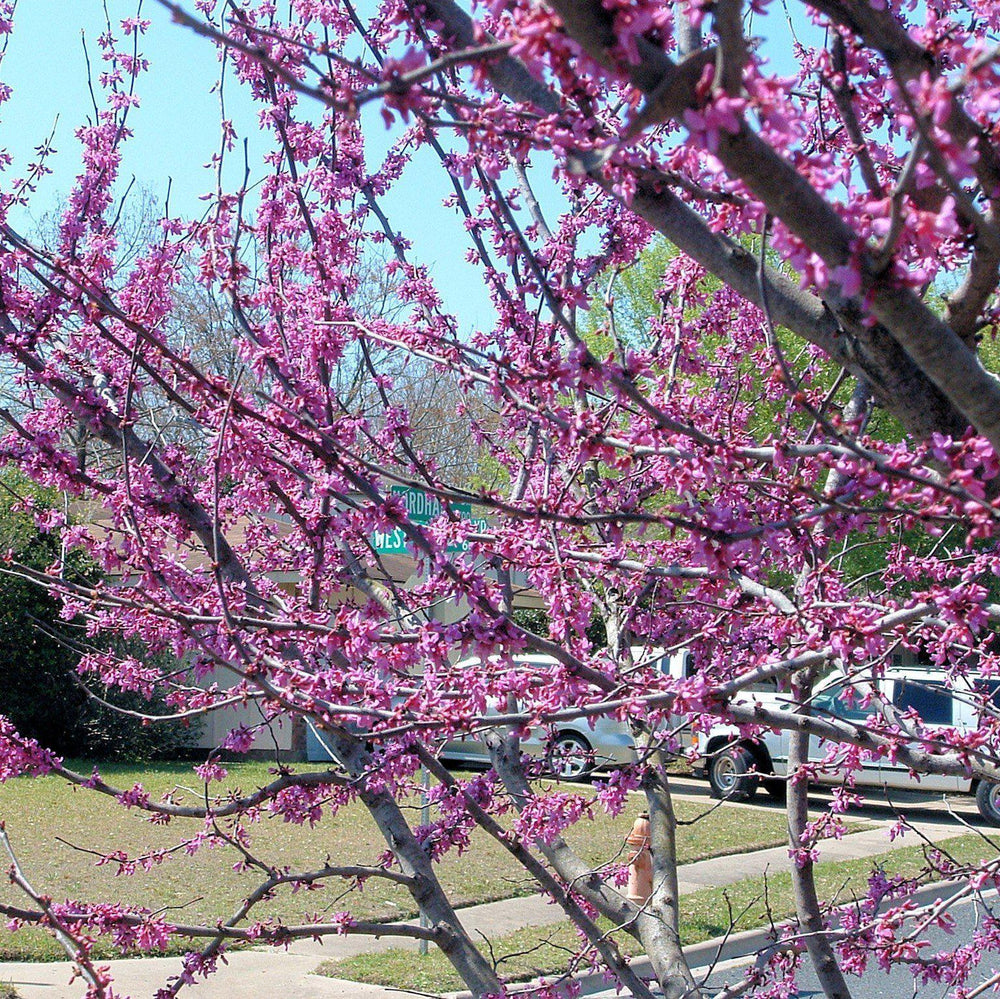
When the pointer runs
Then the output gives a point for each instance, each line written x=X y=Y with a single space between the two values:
x=397 y=568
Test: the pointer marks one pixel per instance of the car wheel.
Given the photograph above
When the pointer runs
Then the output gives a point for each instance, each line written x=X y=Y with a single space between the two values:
x=988 y=800
x=569 y=756
x=729 y=774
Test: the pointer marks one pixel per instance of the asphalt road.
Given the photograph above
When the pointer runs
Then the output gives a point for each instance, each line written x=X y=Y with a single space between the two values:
x=898 y=983
x=918 y=806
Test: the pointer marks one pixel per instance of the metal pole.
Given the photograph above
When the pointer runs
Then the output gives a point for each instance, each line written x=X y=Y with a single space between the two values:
x=425 y=819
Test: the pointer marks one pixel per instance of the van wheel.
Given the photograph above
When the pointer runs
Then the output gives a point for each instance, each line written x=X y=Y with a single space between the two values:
x=988 y=800
x=777 y=789
x=729 y=774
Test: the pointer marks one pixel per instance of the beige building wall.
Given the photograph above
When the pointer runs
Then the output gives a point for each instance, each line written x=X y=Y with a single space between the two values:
x=276 y=734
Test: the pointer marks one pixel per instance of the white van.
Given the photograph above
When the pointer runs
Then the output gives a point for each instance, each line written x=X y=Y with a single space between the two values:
x=735 y=765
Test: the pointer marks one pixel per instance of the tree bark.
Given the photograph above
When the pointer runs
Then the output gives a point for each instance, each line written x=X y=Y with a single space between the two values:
x=807 y=905
x=426 y=890
x=660 y=928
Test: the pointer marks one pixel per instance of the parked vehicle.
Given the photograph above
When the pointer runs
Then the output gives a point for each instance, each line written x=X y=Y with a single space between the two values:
x=736 y=765
x=576 y=748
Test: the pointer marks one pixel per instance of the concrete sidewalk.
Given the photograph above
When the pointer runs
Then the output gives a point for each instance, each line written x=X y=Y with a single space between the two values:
x=267 y=974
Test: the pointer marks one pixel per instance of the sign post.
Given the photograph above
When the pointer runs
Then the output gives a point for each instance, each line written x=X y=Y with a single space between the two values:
x=422 y=509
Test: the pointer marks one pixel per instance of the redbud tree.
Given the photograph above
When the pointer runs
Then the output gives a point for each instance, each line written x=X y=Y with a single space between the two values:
x=786 y=464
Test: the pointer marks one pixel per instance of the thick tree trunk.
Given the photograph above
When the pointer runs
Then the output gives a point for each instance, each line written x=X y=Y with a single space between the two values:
x=452 y=939
x=660 y=927
x=807 y=905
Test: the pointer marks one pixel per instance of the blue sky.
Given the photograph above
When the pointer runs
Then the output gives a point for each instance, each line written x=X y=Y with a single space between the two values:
x=176 y=130
x=176 y=127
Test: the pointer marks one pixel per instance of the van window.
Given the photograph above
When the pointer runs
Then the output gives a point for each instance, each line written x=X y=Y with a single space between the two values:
x=932 y=701
x=832 y=701
x=989 y=690
x=993 y=687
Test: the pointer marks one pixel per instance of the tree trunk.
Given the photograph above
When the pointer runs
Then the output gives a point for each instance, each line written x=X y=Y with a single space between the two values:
x=427 y=892
x=807 y=905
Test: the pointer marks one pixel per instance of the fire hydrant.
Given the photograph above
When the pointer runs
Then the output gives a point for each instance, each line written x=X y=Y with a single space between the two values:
x=640 y=862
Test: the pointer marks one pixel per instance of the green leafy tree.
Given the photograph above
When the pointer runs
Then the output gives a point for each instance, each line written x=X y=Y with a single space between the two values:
x=35 y=657
x=39 y=650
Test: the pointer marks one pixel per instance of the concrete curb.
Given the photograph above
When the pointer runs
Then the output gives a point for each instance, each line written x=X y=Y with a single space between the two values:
x=710 y=953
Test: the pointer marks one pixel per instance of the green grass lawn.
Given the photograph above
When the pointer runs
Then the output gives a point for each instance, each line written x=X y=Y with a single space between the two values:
x=548 y=950
x=55 y=827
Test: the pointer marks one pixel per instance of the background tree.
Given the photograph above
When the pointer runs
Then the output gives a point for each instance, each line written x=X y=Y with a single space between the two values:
x=38 y=667
x=39 y=650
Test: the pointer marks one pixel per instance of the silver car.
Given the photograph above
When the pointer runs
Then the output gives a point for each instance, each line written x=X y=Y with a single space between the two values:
x=575 y=748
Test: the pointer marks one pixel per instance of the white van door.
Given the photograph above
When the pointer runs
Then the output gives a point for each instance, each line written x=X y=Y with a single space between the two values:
x=935 y=706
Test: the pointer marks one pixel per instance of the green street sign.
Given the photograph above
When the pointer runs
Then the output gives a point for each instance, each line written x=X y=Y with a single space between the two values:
x=421 y=508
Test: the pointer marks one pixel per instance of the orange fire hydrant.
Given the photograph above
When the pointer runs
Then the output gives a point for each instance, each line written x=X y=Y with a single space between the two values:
x=640 y=862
